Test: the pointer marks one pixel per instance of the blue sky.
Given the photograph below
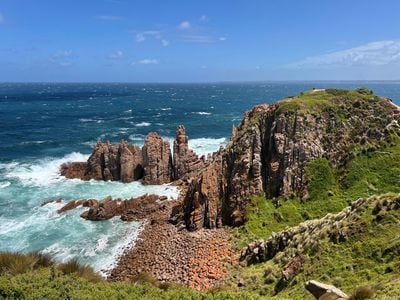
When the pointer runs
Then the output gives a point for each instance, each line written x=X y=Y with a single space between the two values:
x=189 y=41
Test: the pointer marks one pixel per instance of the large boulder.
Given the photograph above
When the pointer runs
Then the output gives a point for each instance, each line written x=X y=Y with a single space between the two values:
x=319 y=289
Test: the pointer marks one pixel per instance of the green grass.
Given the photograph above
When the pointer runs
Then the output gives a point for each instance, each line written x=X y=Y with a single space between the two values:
x=44 y=284
x=357 y=261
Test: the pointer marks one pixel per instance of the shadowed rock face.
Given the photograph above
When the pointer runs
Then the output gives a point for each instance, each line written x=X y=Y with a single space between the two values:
x=126 y=162
x=108 y=162
x=186 y=162
x=269 y=150
x=157 y=160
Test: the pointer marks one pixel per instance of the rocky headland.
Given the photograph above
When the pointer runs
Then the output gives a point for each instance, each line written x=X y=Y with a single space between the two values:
x=190 y=240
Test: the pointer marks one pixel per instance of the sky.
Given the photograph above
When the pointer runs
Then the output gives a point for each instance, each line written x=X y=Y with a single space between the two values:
x=198 y=41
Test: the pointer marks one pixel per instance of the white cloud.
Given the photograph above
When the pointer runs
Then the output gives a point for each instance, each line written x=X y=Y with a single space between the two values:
x=2 y=19
x=165 y=43
x=185 y=25
x=147 y=61
x=144 y=35
x=119 y=54
x=62 y=54
x=373 y=54
x=200 y=39
x=222 y=38
x=203 y=18
x=109 y=18
x=62 y=58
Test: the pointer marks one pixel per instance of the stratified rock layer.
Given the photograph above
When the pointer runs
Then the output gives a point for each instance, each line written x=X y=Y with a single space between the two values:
x=122 y=162
x=268 y=152
x=157 y=160
x=186 y=162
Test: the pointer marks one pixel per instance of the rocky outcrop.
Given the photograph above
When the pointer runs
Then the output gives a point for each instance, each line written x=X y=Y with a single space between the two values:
x=129 y=209
x=295 y=241
x=268 y=152
x=73 y=170
x=321 y=290
x=126 y=162
x=186 y=162
x=157 y=160
x=108 y=162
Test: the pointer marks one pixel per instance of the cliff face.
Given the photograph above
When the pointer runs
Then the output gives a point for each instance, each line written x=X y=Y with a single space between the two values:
x=157 y=160
x=270 y=149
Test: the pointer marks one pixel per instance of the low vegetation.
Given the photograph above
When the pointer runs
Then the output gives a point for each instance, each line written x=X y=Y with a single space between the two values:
x=367 y=259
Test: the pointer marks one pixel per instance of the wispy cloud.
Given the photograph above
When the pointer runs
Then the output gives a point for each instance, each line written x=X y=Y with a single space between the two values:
x=373 y=54
x=203 y=18
x=202 y=39
x=165 y=43
x=2 y=18
x=184 y=25
x=62 y=58
x=146 y=61
x=119 y=54
x=147 y=34
x=108 y=18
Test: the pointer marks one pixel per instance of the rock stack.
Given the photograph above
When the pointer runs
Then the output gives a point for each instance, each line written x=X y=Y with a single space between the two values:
x=126 y=162
x=186 y=161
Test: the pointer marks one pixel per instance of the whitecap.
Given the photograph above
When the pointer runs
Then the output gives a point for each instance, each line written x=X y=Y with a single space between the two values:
x=143 y=124
x=4 y=184
x=43 y=172
x=204 y=146
x=84 y=120
x=166 y=108
x=201 y=113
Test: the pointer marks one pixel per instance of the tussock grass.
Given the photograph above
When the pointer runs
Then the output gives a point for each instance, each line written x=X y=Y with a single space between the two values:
x=84 y=271
x=17 y=263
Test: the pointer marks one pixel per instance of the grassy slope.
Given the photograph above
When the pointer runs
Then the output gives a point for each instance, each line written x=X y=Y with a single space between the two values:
x=349 y=264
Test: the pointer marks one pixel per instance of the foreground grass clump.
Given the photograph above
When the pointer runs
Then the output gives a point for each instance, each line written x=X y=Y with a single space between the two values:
x=17 y=263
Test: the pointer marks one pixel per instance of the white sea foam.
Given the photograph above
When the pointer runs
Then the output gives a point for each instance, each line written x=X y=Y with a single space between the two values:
x=43 y=172
x=85 y=120
x=4 y=184
x=201 y=113
x=143 y=124
x=166 y=108
x=204 y=146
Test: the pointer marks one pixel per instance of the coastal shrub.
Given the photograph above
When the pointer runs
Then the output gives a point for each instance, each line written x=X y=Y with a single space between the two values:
x=322 y=182
x=363 y=293
x=74 y=267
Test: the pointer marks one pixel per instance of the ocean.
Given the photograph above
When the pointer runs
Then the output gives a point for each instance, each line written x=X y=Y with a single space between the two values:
x=43 y=125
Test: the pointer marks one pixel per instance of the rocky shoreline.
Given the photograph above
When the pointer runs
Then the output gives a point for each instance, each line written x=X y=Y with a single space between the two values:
x=163 y=252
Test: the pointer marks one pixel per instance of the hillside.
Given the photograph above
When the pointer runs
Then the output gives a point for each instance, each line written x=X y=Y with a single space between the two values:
x=308 y=188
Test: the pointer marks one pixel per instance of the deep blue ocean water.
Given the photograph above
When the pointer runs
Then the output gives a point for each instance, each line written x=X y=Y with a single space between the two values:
x=43 y=125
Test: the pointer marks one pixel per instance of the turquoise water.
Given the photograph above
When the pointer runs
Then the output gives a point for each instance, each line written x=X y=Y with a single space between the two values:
x=43 y=125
